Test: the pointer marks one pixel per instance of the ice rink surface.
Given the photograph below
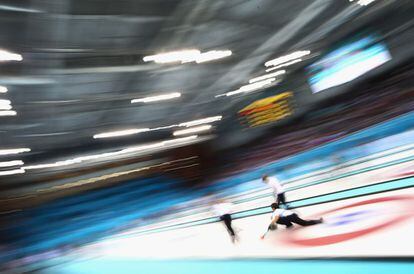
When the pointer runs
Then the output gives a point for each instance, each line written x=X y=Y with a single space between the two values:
x=368 y=228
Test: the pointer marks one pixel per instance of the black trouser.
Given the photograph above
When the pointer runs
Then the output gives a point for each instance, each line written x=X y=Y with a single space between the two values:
x=281 y=199
x=226 y=218
x=294 y=218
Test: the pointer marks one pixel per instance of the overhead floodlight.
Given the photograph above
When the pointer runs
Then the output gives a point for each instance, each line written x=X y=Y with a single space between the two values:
x=191 y=130
x=287 y=58
x=9 y=56
x=161 y=97
x=175 y=56
x=120 y=133
x=11 y=163
x=12 y=151
x=8 y=113
x=201 y=121
x=284 y=65
x=267 y=76
x=213 y=55
x=3 y=89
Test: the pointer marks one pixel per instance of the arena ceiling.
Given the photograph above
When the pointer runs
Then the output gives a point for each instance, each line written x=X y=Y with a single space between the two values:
x=83 y=62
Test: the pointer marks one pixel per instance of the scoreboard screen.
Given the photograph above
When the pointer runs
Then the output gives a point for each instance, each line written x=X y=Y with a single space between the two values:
x=267 y=110
x=347 y=62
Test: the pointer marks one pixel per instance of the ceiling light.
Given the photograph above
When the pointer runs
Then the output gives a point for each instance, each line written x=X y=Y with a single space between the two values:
x=161 y=97
x=212 y=55
x=174 y=56
x=9 y=56
x=12 y=172
x=11 y=163
x=201 y=121
x=120 y=133
x=13 y=151
x=8 y=113
x=284 y=65
x=287 y=58
x=3 y=89
x=267 y=76
x=191 y=130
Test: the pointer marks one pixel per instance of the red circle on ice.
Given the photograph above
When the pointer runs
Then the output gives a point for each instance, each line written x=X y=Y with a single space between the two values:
x=295 y=236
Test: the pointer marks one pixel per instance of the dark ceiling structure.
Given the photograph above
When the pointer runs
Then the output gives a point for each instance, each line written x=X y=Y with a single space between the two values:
x=83 y=64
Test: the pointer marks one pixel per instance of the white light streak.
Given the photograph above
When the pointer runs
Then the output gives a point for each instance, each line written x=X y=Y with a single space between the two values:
x=287 y=58
x=187 y=56
x=161 y=128
x=142 y=147
x=12 y=172
x=3 y=89
x=192 y=130
x=119 y=133
x=179 y=140
x=5 y=107
x=213 y=55
x=11 y=163
x=363 y=2
x=5 y=102
x=267 y=76
x=18 y=9
x=12 y=151
x=250 y=87
x=129 y=150
x=9 y=56
x=161 y=97
x=284 y=65
x=201 y=121
x=174 y=56
x=256 y=85
x=56 y=164
x=8 y=113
